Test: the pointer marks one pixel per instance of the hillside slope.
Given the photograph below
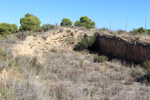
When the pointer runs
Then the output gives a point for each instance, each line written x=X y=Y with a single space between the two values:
x=47 y=68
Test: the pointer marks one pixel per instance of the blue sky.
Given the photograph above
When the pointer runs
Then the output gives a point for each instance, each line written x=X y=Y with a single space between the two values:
x=100 y=11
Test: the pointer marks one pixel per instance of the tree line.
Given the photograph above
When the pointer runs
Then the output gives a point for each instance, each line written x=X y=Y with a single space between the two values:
x=32 y=23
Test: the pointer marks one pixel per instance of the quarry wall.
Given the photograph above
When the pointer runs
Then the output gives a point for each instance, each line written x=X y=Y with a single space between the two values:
x=131 y=50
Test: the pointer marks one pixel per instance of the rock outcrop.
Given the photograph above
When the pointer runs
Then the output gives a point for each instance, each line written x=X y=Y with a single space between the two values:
x=128 y=49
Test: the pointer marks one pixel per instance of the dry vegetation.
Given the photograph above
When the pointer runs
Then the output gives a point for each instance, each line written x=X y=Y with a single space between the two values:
x=44 y=67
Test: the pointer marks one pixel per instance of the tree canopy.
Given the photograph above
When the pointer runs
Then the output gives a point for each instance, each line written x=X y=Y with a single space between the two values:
x=29 y=23
x=6 y=28
x=141 y=30
x=85 y=22
x=66 y=22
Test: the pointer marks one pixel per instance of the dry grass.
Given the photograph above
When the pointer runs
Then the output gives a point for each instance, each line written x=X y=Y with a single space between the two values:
x=126 y=35
x=68 y=75
x=63 y=78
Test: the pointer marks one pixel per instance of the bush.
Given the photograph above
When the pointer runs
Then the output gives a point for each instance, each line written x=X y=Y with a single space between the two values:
x=137 y=72
x=47 y=27
x=6 y=28
x=146 y=66
x=141 y=30
x=134 y=31
x=22 y=35
x=66 y=22
x=85 y=22
x=85 y=43
x=10 y=39
x=29 y=23
x=5 y=59
x=148 y=31
x=100 y=58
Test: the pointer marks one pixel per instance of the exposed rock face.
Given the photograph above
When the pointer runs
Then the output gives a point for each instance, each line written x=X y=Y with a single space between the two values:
x=130 y=49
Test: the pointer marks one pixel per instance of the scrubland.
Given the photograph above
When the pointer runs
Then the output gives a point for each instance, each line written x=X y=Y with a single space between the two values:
x=44 y=66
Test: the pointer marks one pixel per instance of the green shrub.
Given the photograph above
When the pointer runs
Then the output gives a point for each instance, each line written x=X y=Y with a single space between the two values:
x=6 y=28
x=146 y=65
x=85 y=22
x=148 y=31
x=29 y=23
x=47 y=27
x=14 y=28
x=39 y=29
x=85 y=43
x=100 y=58
x=6 y=94
x=141 y=30
x=66 y=22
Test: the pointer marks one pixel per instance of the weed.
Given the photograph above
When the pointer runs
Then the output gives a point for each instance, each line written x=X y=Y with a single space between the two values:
x=100 y=58
x=81 y=63
x=8 y=95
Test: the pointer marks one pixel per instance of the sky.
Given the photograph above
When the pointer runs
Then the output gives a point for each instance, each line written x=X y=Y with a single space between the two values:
x=100 y=11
